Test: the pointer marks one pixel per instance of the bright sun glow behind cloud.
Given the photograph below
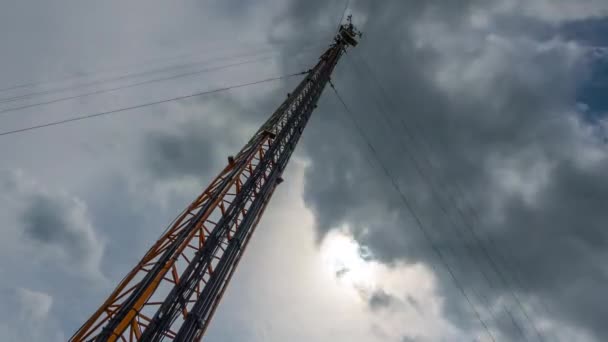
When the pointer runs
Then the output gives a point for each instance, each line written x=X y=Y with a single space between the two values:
x=409 y=290
x=346 y=260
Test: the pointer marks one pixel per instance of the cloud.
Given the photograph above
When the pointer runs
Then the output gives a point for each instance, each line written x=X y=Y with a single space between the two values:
x=196 y=143
x=379 y=299
x=481 y=118
x=53 y=223
x=34 y=305
x=560 y=10
x=188 y=152
x=63 y=225
x=35 y=308
x=489 y=85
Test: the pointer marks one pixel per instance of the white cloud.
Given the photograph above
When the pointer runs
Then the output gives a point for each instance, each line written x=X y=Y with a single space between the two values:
x=34 y=305
x=286 y=284
x=28 y=317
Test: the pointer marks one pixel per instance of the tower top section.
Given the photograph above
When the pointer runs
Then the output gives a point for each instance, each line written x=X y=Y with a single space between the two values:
x=348 y=33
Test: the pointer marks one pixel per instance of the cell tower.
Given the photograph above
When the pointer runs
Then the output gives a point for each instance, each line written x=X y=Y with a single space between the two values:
x=174 y=290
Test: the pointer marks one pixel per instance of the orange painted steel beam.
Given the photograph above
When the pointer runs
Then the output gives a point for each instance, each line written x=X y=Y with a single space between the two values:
x=130 y=322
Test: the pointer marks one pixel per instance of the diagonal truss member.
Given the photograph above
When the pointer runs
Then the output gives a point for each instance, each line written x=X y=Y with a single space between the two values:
x=174 y=290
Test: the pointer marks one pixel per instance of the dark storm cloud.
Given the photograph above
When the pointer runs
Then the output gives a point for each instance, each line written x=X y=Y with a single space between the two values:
x=562 y=240
x=197 y=146
x=49 y=222
x=593 y=31
x=498 y=135
x=188 y=152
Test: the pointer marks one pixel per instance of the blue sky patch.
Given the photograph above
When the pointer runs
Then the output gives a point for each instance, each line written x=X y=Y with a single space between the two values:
x=594 y=92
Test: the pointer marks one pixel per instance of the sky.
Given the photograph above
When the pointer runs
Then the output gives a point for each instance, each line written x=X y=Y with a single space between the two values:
x=460 y=196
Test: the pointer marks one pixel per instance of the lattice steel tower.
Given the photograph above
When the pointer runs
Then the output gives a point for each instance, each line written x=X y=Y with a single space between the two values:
x=174 y=290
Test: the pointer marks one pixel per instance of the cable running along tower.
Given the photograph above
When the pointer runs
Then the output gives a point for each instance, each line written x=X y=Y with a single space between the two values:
x=174 y=290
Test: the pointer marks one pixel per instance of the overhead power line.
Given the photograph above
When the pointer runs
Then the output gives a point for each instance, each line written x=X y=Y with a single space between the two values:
x=467 y=224
x=148 y=104
x=70 y=77
x=410 y=209
x=136 y=74
x=438 y=199
x=150 y=62
x=136 y=84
